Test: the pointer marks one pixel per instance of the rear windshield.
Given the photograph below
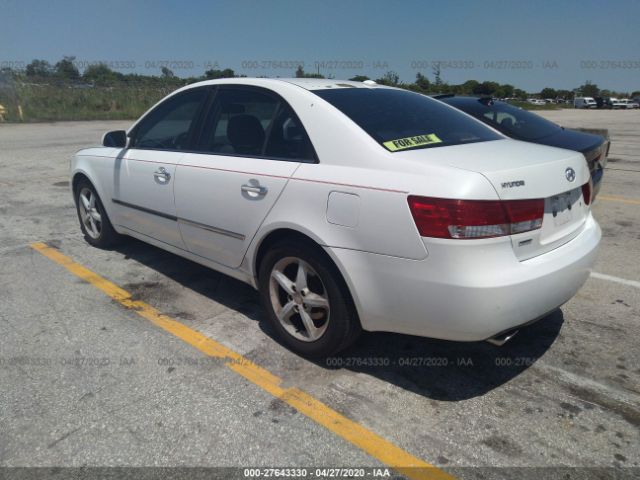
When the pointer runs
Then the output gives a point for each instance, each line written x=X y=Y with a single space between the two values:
x=513 y=121
x=400 y=120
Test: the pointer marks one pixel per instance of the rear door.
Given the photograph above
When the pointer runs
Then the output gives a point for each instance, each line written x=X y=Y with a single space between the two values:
x=144 y=176
x=250 y=144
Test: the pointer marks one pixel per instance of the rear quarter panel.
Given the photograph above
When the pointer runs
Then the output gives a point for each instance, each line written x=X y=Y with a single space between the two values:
x=383 y=223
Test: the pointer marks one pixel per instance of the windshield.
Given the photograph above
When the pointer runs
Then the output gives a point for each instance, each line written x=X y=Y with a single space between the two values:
x=401 y=120
x=512 y=120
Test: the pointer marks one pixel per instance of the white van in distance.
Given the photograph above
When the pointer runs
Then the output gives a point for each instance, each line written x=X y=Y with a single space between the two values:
x=584 y=102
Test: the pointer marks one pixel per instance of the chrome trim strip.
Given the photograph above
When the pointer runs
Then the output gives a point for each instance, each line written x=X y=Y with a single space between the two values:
x=220 y=231
x=145 y=210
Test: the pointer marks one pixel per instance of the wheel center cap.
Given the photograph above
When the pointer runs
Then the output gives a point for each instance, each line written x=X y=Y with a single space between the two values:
x=297 y=298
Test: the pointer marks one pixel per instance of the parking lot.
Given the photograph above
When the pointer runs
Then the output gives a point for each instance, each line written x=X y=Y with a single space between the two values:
x=186 y=373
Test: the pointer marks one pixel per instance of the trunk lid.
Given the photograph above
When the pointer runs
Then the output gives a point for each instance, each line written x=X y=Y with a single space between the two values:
x=519 y=170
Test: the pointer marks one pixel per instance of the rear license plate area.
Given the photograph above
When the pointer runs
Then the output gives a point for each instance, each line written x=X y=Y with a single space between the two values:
x=561 y=208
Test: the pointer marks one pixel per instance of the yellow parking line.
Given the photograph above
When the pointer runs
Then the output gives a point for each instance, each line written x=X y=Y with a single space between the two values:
x=610 y=198
x=376 y=446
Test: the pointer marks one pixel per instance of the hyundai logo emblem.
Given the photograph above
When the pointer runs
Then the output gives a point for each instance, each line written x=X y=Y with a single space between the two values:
x=570 y=173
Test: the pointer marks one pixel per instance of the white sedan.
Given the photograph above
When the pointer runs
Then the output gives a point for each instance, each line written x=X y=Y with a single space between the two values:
x=349 y=206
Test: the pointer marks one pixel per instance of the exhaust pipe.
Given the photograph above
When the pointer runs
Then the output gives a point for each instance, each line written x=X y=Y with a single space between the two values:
x=502 y=338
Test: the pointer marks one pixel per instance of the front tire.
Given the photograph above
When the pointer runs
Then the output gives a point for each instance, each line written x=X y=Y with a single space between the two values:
x=306 y=300
x=94 y=222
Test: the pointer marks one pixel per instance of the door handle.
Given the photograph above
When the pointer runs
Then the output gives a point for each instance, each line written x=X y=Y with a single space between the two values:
x=254 y=188
x=162 y=176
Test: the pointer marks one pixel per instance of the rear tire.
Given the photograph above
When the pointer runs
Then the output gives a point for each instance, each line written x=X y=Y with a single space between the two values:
x=94 y=222
x=306 y=300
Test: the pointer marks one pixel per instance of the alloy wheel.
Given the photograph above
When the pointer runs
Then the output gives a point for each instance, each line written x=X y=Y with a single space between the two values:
x=299 y=299
x=89 y=213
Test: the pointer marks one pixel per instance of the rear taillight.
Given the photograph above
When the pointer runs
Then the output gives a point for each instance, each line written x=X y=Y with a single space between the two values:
x=586 y=192
x=467 y=219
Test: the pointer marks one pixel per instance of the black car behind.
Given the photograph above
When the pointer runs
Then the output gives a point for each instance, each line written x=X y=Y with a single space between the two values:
x=529 y=127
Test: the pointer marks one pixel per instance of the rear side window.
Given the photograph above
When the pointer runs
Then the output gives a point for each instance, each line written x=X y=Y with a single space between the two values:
x=250 y=122
x=401 y=120
x=512 y=120
x=167 y=127
x=288 y=139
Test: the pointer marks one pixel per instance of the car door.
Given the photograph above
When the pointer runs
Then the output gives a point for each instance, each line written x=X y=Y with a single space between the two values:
x=145 y=174
x=250 y=144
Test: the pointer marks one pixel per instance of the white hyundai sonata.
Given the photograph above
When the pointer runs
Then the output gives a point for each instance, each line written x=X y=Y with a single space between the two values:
x=349 y=206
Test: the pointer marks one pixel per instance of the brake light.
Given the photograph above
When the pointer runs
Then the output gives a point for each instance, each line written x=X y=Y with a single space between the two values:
x=467 y=219
x=586 y=192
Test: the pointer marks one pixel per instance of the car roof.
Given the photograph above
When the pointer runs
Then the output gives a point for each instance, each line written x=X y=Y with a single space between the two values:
x=323 y=83
x=306 y=83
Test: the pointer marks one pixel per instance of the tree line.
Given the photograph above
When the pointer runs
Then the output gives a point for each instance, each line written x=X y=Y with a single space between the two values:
x=100 y=74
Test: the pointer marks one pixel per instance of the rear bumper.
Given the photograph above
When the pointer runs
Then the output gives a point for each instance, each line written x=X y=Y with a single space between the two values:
x=466 y=291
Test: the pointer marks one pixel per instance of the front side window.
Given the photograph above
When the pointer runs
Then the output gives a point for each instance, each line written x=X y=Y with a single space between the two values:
x=401 y=120
x=250 y=122
x=504 y=119
x=167 y=127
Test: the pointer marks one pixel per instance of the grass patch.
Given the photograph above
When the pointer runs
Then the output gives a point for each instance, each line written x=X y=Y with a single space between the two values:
x=42 y=102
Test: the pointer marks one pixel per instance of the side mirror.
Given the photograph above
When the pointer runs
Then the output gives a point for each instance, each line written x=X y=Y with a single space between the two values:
x=115 y=138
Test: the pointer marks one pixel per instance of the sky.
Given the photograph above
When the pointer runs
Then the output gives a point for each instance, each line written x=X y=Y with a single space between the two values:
x=530 y=44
